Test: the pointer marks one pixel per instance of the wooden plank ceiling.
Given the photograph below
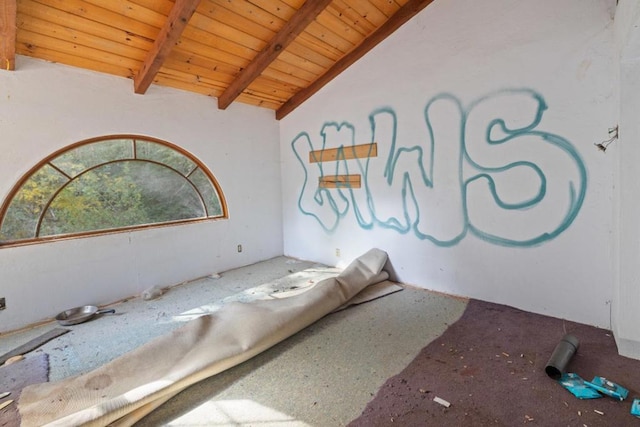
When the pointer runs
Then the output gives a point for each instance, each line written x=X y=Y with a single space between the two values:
x=270 y=53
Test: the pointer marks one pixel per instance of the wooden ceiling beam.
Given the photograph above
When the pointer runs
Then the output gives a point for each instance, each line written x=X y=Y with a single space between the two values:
x=296 y=25
x=8 y=13
x=169 y=34
x=405 y=13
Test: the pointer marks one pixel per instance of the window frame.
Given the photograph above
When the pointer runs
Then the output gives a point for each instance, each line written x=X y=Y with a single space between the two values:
x=6 y=203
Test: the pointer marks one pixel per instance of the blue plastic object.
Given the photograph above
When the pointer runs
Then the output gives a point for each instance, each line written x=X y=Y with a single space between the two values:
x=609 y=388
x=578 y=387
x=635 y=408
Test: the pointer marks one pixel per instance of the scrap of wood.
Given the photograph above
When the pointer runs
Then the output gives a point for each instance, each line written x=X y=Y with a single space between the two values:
x=5 y=404
x=344 y=153
x=340 y=181
x=33 y=344
x=13 y=359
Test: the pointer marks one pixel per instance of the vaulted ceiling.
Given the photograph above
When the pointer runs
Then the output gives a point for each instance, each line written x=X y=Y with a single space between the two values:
x=270 y=53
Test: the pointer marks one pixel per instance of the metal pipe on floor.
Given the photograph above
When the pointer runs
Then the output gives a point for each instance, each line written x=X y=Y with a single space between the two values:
x=561 y=356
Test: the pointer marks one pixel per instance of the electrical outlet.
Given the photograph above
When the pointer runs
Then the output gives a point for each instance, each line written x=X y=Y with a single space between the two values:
x=3 y=303
x=338 y=252
x=239 y=248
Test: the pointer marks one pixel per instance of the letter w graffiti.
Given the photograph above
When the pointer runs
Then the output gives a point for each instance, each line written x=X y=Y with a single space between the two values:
x=484 y=169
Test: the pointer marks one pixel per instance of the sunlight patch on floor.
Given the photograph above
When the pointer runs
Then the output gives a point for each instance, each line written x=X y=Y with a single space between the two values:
x=235 y=413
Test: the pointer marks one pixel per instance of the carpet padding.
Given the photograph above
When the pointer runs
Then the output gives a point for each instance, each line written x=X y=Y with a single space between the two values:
x=127 y=388
x=490 y=366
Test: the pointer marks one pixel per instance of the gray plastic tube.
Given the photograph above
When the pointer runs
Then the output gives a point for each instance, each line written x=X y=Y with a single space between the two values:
x=561 y=356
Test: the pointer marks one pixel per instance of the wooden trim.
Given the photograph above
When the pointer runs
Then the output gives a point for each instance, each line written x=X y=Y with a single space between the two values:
x=340 y=181
x=296 y=25
x=8 y=13
x=403 y=14
x=344 y=153
x=169 y=34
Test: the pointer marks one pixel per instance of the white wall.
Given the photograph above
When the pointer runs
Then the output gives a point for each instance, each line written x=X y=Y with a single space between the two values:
x=45 y=107
x=627 y=292
x=472 y=63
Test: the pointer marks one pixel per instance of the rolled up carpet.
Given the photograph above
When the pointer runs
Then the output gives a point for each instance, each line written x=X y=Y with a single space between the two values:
x=130 y=386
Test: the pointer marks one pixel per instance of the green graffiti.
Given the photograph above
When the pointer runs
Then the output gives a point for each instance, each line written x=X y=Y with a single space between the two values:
x=458 y=180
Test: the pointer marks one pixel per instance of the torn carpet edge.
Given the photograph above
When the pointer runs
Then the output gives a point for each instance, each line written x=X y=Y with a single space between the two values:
x=202 y=348
x=34 y=368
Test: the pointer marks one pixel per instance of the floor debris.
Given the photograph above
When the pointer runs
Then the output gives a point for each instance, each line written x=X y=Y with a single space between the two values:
x=635 y=408
x=152 y=293
x=34 y=343
x=578 y=387
x=608 y=387
x=5 y=404
x=441 y=401
x=13 y=359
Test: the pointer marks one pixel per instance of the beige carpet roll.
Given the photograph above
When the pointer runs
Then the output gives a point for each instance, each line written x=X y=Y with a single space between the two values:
x=208 y=345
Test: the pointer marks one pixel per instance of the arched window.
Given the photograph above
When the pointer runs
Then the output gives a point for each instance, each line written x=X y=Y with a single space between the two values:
x=109 y=184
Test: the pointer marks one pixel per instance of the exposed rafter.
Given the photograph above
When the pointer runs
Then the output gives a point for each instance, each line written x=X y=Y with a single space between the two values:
x=8 y=10
x=297 y=24
x=266 y=53
x=169 y=34
x=403 y=14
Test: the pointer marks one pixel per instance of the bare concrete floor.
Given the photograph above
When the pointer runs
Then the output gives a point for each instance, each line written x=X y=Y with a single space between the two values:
x=322 y=376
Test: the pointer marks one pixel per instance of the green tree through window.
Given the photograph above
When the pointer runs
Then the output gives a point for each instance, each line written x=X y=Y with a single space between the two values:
x=108 y=184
